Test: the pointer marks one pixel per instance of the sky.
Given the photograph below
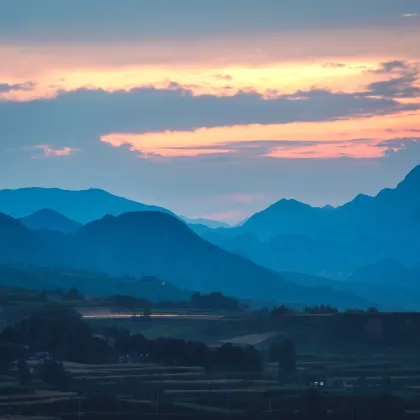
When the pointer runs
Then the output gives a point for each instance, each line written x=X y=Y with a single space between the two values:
x=210 y=108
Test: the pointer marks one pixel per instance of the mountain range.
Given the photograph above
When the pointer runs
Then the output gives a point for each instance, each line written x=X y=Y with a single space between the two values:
x=33 y=204
x=332 y=242
x=156 y=244
x=366 y=251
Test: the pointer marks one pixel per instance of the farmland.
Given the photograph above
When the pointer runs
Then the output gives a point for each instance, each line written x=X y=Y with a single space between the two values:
x=349 y=378
x=191 y=392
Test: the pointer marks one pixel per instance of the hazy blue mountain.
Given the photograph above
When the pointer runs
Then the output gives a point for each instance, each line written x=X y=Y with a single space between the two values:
x=19 y=244
x=153 y=243
x=299 y=253
x=387 y=271
x=332 y=242
x=212 y=224
x=392 y=296
x=390 y=281
x=283 y=217
x=82 y=206
x=392 y=215
x=416 y=269
x=51 y=220
x=156 y=244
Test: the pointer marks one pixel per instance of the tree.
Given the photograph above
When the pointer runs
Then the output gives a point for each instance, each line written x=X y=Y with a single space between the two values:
x=60 y=331
x=235 y=358
x=7 y=356
x=74 y=294
x=283 y=352
x=281 y=310
x=53 y=373
x=25 y=376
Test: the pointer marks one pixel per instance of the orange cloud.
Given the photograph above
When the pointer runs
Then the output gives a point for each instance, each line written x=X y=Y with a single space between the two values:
x=357 y=150
x=283 y=61
x=222 y=139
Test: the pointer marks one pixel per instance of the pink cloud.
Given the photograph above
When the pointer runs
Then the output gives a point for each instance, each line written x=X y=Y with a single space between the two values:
x=49 y=151
x=231 y=216
x=243 y=197
x=369 y=149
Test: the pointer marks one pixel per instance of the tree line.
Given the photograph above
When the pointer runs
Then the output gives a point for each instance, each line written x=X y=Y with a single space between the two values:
x=61 y=332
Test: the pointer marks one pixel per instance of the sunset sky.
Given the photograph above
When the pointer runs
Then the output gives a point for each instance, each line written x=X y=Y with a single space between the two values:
x=212 y=108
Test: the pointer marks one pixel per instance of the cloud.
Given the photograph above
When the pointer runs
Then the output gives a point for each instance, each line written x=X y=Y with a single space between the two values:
x=406 y=84
x=226 y=77
x=239 y=102
x=6 y=87
x=409 y=15
x=231 y=216
x=71 y=117
x=49 y=151
x=397 y=66
x=333 y=65
x=242 y=197
x=355 y=149
x=322 y=138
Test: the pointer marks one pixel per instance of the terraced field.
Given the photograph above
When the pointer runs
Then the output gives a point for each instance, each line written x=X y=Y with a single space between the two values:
x=169 y=392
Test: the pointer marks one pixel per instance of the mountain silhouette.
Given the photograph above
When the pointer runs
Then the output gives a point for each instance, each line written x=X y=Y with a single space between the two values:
x=51 y=220
x=285 y=216
x=333 y=242
x=211 y=224
x=157 y=244
x=82 y=206
x=386 y=271
x=19 y=244
x=392 y=215
x=387 y=281
x=154 y=243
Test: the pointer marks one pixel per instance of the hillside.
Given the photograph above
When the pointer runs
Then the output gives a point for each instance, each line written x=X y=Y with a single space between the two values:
x=19 y=244
x=88 y=283
x=157 y=244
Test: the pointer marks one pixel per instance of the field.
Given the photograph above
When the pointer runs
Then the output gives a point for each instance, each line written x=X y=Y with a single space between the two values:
x=167 y=392
x=338 y=355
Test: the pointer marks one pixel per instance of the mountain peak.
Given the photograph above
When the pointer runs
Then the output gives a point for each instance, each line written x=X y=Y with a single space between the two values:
x=47 y=212
x=52 y=220
x=291 y=202
x=412 y=180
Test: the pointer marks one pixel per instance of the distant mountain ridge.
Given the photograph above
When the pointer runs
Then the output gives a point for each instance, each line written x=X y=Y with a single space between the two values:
x=157 y=244
x=333 y=242
x=19 y=244
x=82 y=206
x=282 y=217
x=367 y=242
x=212 y=224
x=51 y=220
